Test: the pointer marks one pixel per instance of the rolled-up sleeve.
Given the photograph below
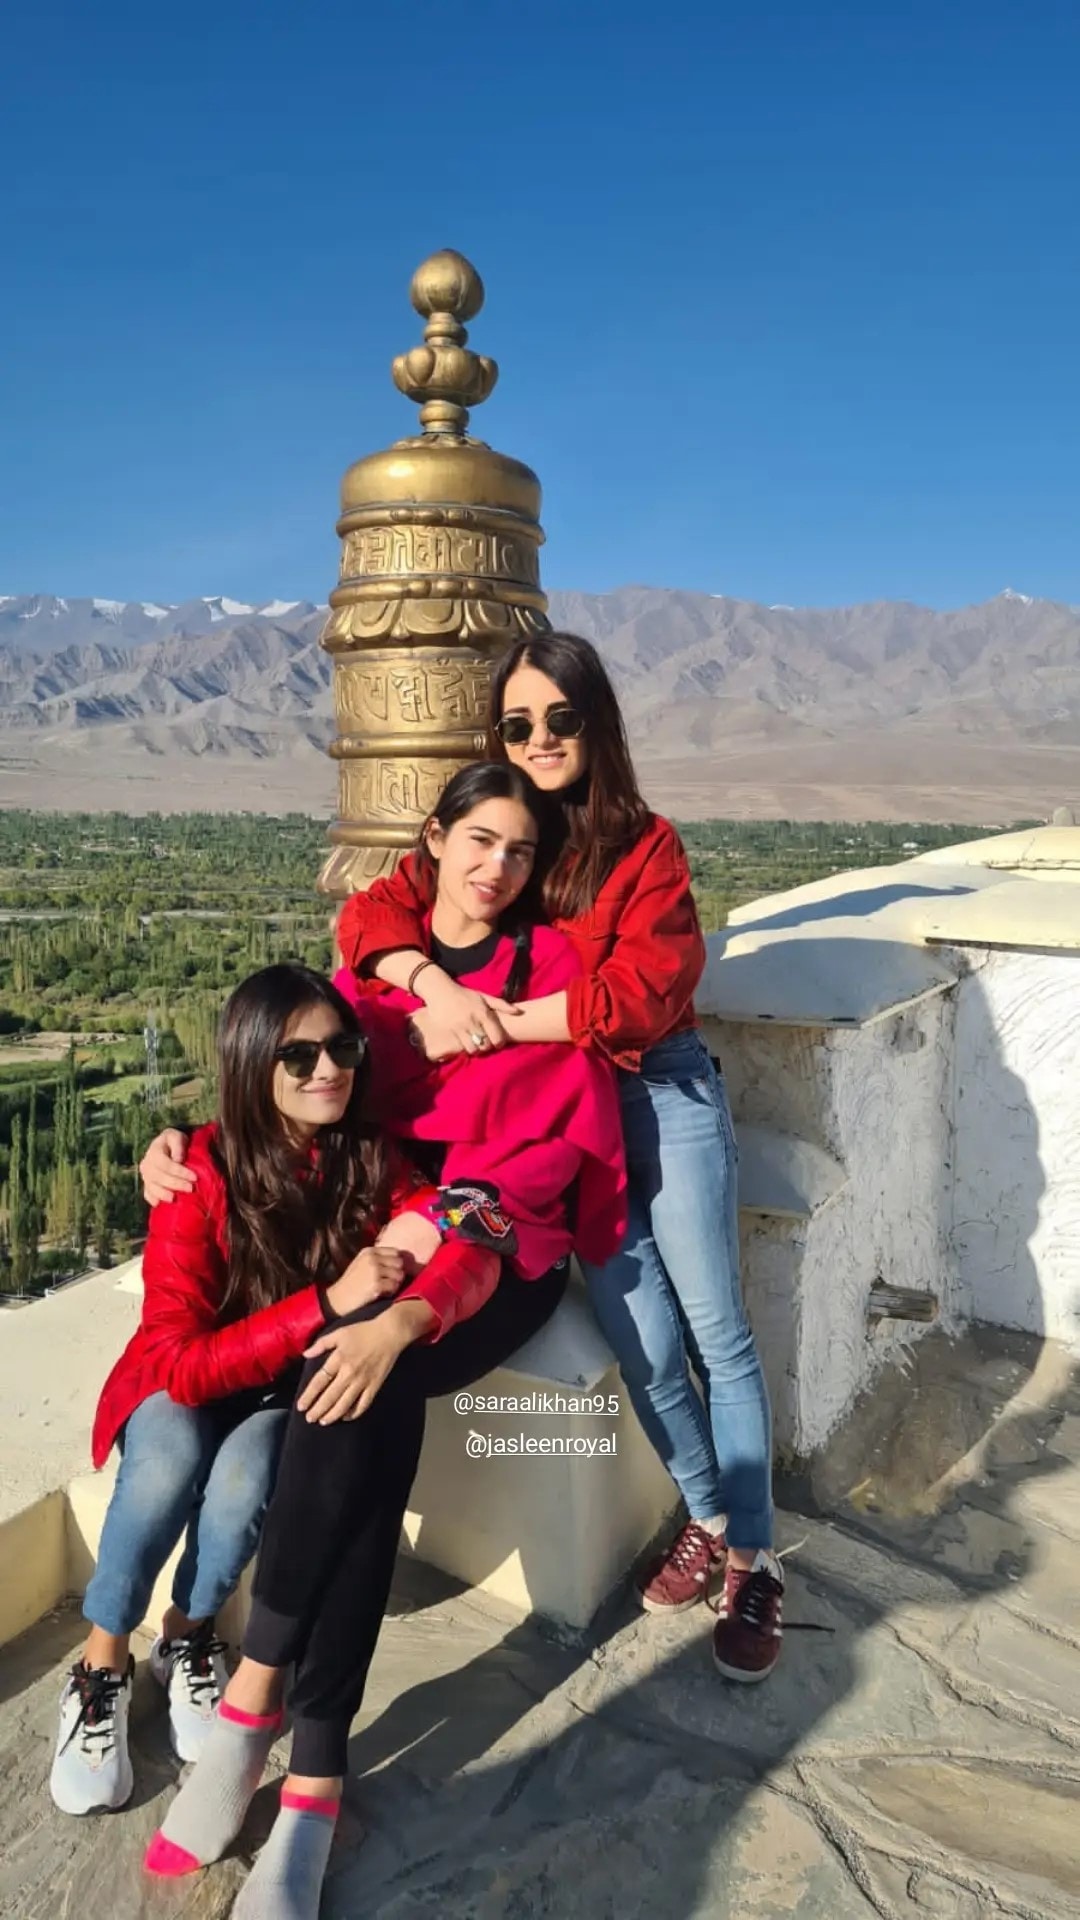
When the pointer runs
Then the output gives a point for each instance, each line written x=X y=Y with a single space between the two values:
x=628 y=1002
x=386 y=918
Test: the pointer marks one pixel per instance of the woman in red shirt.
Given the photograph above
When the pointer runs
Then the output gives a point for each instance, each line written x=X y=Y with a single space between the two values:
x=670 y=1300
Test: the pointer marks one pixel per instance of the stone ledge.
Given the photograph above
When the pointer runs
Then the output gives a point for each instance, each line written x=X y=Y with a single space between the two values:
x=547 y=1534
x=783 y=1176
x=33 y=1557
x=54 y=1356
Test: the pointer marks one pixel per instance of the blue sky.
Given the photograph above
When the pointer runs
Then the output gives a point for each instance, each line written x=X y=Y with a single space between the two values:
x=786 y=298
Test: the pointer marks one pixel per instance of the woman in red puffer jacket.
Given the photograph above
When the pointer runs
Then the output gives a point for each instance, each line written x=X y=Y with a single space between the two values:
x=300 y=1214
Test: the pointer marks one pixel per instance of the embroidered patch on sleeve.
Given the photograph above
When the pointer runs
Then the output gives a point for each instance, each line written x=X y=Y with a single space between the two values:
x=474 y=1210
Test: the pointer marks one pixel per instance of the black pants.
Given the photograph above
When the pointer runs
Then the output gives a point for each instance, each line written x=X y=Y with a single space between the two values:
x=331 y=1533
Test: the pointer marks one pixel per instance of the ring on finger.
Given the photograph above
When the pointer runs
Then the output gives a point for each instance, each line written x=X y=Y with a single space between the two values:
x=478 y=1039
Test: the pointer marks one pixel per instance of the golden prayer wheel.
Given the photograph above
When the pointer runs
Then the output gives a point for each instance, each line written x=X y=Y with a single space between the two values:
x=440 y=571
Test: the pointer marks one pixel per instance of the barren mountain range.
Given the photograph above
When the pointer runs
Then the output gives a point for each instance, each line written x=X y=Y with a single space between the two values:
x=887 y=711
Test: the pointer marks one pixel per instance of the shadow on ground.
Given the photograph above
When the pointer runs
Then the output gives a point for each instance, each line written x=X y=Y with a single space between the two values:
x=920 y=1760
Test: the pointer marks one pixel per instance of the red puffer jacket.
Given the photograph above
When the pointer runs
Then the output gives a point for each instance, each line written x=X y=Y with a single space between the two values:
x=180 y=1347
x=640 y=944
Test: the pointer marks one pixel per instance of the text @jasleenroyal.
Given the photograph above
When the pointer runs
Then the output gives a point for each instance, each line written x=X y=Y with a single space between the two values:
x=540 y=1446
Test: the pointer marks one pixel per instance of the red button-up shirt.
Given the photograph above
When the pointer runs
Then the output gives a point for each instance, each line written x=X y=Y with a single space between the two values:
x=640 y=944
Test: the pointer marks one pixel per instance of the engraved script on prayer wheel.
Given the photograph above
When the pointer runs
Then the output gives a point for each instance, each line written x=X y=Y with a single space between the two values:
x=440 y=571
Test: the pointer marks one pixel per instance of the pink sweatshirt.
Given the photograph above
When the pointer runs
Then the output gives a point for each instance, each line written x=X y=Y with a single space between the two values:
x=534 y=1120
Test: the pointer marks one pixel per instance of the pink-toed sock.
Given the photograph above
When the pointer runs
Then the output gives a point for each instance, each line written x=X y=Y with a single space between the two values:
x=212 y=1804
x=168 y=1861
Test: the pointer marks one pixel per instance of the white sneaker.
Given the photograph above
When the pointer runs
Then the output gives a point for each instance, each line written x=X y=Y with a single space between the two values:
x=91 y=1769
x=194 y=1675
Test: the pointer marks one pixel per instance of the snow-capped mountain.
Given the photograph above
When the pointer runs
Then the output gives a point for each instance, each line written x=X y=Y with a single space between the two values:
x=858 y=702
x=45 y=623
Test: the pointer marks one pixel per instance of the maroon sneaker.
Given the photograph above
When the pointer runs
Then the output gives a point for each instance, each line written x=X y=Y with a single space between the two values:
x=681 y=1576
x=747 y=1634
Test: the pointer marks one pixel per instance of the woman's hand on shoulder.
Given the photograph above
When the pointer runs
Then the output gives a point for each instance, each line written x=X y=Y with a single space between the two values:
x=458 y=1019
x=375 y=1272
x=162 y=1168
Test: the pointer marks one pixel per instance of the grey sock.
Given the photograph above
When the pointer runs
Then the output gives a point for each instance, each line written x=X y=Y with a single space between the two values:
x=212 y=1804
x=286 y=1880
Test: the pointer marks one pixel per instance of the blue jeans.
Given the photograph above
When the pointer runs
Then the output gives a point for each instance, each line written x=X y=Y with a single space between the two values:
x=671 y=1300
x=210 y=1469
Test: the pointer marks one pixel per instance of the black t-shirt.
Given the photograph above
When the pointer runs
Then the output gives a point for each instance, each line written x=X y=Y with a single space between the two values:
x=458 y=960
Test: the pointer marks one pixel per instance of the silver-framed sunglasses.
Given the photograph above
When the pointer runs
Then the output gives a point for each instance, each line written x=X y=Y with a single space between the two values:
x=565 y=722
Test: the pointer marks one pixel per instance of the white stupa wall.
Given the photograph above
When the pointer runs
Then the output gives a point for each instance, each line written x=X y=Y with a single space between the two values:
x=902 y=1051
x=1016 y=1194
x=877 y=1100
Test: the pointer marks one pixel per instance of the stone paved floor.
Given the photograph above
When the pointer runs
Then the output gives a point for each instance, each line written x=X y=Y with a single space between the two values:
x=920 y=1762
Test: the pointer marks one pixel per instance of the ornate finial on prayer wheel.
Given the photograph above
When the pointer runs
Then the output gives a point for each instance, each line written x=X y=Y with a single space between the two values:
x=445 y=374
x=439 y=573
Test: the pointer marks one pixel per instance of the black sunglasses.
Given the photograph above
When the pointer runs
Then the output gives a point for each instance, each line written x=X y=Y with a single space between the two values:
x=301 y=1057
x=566 y=723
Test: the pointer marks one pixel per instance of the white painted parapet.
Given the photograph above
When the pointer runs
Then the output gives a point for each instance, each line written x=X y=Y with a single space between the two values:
x=1016 y=1077
x=548 y=1532
x=1016 y=1172
x=919 y=1027
x=865 y=1109
x=54 y=1355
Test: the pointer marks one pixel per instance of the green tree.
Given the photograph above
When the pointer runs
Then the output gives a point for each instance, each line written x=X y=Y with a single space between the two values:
x=33 y=1216
x=102 y=1206
x=62 y=1206
x=23 y=1239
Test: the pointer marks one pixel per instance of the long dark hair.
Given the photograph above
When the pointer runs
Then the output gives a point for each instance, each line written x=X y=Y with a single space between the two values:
x=462 y=794
x=284 y=1229
x=604 y=814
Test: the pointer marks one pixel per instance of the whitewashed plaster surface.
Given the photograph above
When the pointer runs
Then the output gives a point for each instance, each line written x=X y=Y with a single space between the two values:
x=878 y=1099
x=1016 y=1199
x=920 y=1024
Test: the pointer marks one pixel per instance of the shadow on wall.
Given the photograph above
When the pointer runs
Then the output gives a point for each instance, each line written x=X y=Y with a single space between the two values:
x=1016 y=1172
x=859 y=901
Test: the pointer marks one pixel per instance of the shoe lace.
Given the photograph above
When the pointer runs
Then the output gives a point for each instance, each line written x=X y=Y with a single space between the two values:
x=755 y=1596
x=196 y=1657
x=692 y=1544
x=95 y=1723
x=755 y=1599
